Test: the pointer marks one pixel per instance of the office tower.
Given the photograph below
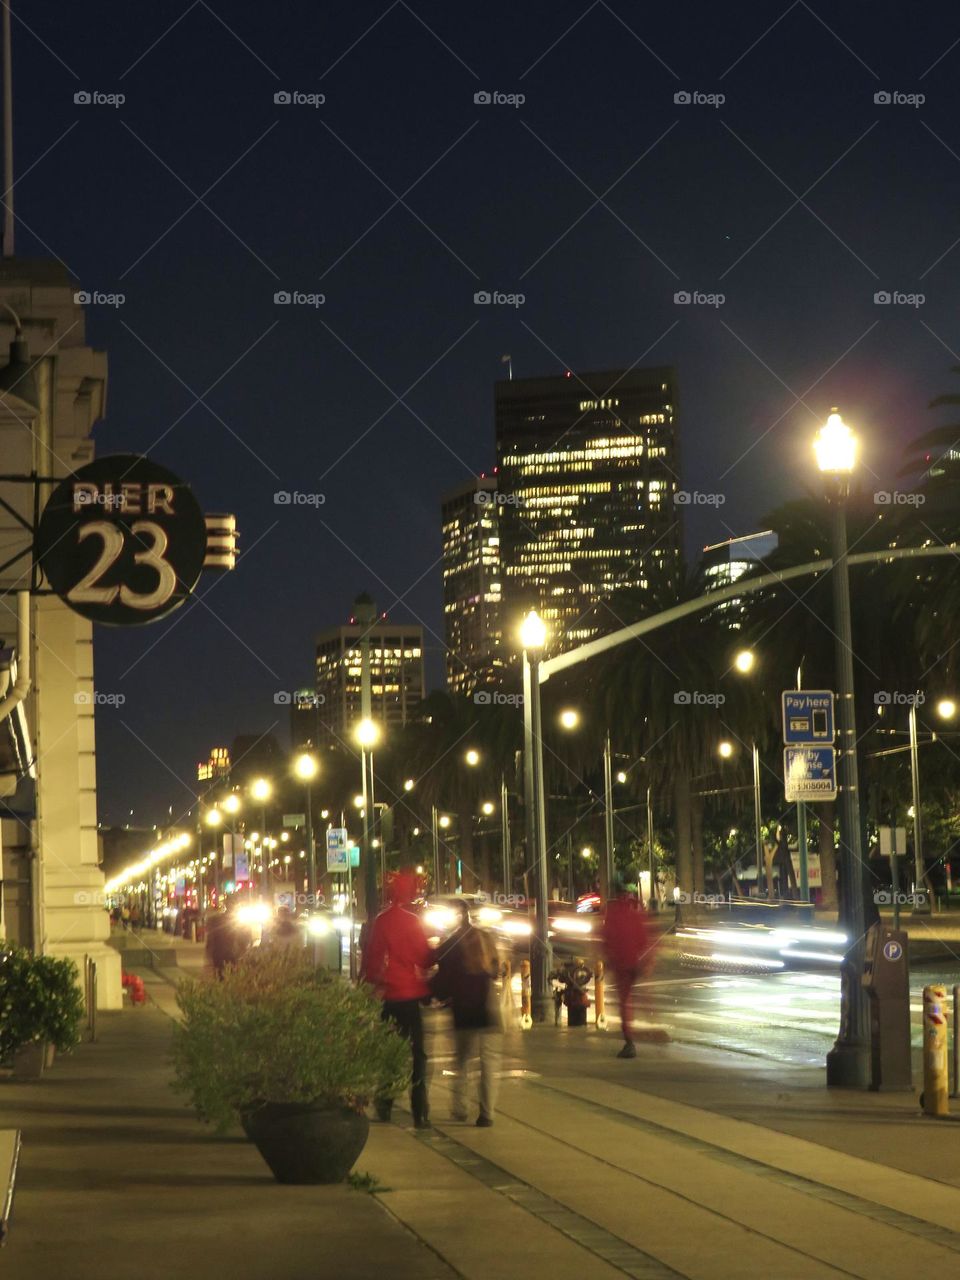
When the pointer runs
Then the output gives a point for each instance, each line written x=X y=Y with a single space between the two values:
x=472 y=585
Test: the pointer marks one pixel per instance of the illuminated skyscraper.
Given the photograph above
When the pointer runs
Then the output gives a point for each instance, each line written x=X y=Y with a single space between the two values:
x=396 y=676
x=472 y=585
x=590 y=467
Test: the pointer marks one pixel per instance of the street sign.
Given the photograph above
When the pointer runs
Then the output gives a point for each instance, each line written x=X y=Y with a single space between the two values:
x=893 y=840
x=354 y=852
x=122 y=540
x=338 y=858
x=242 y=867
x=892 y=950
x=807 y=716
x=294 y=819
x=809 y=773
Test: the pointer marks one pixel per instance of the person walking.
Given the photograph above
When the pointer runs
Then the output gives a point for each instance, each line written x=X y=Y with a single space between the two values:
x=467 y=964
x=396 y=959
x=226 y=940
x=285 y=932
x=628 y=954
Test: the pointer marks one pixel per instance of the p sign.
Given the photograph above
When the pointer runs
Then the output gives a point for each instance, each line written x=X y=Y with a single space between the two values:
x=122 y=540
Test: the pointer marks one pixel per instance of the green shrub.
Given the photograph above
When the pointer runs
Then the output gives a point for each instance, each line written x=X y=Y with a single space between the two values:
x=275 y=1029
x=40 y=999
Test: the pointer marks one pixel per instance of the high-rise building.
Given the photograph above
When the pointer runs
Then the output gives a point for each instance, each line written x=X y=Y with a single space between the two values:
x=396 y=676
x=588 y=466
x=472 y=585
x=724 y=562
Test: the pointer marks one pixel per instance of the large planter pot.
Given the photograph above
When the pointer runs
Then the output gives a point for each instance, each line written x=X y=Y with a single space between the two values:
x=305 y=1144
x=28 y=1061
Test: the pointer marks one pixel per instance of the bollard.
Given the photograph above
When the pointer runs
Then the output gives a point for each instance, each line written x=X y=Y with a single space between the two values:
x=935 y=1083
x=526 y=1021
x=599 y=997
x=955 y=1092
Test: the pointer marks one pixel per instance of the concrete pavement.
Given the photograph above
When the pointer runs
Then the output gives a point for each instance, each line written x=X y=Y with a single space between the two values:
x=687 y=1161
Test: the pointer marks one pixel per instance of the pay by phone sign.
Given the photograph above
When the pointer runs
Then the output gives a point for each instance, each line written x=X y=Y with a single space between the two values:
x=807 y=716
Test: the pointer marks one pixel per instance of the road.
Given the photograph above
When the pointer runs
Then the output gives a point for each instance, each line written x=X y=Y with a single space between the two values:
x=787 y=1017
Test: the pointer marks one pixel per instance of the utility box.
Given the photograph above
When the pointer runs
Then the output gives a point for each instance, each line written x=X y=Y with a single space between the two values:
x=886 y=980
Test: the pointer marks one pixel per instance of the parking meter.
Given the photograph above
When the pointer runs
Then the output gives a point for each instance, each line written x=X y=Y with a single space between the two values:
x=886 y=980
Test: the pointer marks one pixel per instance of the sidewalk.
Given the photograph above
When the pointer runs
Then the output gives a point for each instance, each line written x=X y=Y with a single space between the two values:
x=117 y=1179
x=683 y=1162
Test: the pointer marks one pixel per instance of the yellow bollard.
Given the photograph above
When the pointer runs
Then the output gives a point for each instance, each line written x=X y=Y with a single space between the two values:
x=935 y=1079
x=526 y=1020
x=599 y=997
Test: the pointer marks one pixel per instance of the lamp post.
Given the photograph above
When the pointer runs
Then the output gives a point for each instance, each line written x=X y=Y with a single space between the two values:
x=745 y=661
x=848 y=1062
x=367 y=735
x=306 y=768
x=261 y=789
x=946 y=709
x=533 y=637
x=505 y=849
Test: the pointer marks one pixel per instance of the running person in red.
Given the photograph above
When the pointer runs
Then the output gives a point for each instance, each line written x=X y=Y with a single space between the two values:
x=396 y=959
x=628 y=952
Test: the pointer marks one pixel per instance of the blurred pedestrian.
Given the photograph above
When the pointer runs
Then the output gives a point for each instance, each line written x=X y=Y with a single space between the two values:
x=468 y=963
x=628 y=954
x=285 y=932
x=226 y=940
x=125 y=916
x=396 y=960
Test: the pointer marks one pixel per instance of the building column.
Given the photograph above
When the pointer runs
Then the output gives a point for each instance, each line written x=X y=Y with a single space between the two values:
x=73 y=919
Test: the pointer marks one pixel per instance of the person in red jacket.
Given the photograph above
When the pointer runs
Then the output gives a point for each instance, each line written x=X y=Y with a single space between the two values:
x=396 y=959
x=628 y=954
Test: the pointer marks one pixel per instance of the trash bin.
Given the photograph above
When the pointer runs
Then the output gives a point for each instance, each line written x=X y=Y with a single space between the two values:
x=886 y=980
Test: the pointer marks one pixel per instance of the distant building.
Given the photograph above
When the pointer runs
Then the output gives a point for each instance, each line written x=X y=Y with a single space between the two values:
x=588 y=467
x=217 y=767
x=305 y=714
x=396 y=676
x=724 y=562
x=472 y=585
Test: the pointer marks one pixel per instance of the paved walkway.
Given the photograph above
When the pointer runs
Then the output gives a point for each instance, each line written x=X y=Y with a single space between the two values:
x=684 y=1162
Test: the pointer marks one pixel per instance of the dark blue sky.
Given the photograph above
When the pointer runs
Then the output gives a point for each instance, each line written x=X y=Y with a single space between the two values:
x=598 y=198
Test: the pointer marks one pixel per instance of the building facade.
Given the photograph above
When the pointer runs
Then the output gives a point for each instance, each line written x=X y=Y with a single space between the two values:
x=396 y=676
x=724 y=562
x=53 y=393
x=588 y=467
x=472 y=585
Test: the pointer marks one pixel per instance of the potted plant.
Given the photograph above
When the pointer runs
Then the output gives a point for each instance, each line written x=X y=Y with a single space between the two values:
x=292 y=1053
x=40 y=1006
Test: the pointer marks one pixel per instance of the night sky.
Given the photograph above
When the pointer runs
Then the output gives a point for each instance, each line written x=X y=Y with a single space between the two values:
x=597 y=198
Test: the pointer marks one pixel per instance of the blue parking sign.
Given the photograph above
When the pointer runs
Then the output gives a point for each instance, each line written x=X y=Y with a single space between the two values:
x=809 y=773
x=807 y=716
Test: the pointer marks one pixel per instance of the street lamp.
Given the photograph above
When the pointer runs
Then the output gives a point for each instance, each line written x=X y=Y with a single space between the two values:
x=231 y=803
x=533 y=638
x=487 y=808
x=472 y=757
x=306 y=767
x=213 y=818
x=409 y=784
x=569 y=718
x=261 y=789
x=725 y=750
x=367 y=735
x=848 y=1062
x=946 y=709
x=745 y=661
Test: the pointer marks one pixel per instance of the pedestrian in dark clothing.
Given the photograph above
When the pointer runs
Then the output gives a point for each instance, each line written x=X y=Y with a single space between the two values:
x=396 y=960
x=225 y=941
x=628 y=954
x=285 y=931
x=467 y=966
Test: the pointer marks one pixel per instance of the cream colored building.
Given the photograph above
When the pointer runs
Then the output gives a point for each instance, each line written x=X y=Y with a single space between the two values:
x=52 y=884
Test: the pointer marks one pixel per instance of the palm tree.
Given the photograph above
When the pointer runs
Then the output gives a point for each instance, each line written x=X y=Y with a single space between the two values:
x=671 y=697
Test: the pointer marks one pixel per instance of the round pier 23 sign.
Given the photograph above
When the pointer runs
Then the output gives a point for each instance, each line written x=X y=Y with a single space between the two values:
x=122 y=540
